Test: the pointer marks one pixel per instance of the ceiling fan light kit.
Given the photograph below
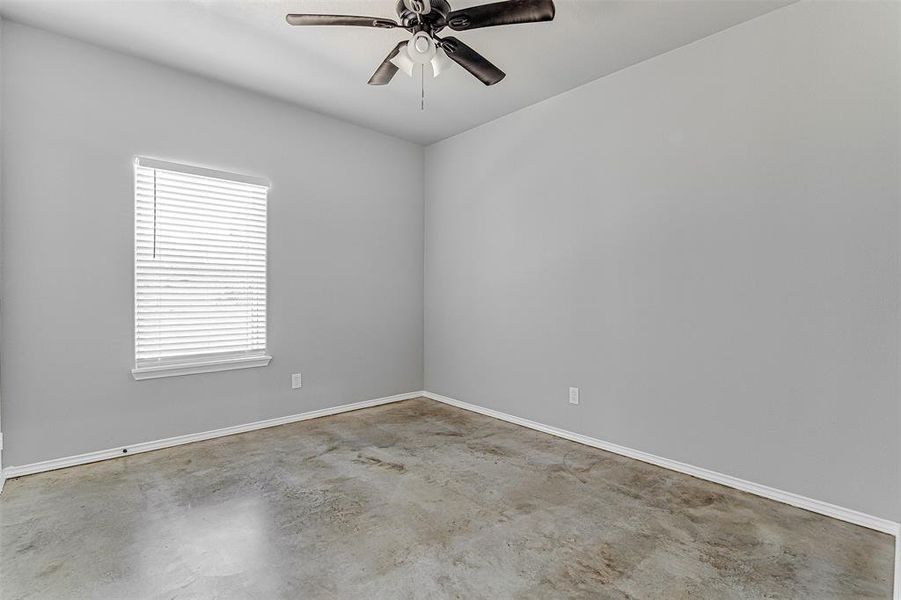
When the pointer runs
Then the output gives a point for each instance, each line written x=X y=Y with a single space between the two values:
x=421 y=50
x=424 y=19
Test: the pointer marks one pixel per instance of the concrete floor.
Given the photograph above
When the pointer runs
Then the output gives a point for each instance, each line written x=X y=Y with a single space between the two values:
x=415 y=500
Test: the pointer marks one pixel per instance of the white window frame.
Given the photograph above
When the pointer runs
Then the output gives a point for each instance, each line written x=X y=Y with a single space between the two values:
x=201 y=364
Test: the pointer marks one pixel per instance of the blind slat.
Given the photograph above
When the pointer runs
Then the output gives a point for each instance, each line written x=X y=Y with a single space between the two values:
x=202 y=290
x=188 y=258
x=164 y=247
x=201 y=344
x=174 y=334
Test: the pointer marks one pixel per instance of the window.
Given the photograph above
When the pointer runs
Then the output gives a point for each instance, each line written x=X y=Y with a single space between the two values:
x=200 y=270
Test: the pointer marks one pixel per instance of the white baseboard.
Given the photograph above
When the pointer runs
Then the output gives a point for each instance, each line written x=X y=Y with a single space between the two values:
x=898 y=564
x=817 y=506
x=89 y=457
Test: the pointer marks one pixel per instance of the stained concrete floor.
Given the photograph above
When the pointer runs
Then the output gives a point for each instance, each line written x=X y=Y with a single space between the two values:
x=415 y=500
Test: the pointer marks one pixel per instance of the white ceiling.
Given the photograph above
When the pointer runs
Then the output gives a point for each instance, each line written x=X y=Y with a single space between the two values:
x=248 y=43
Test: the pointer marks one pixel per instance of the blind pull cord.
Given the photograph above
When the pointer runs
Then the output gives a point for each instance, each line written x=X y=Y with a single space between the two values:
x=154 y=213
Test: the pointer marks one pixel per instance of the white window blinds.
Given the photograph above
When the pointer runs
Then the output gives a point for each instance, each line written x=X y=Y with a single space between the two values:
x=200 y=269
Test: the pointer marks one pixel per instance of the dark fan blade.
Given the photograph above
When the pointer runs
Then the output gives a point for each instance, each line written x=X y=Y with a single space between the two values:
x=501 y=13
x=472 y=61
x=387 y=69
x=341 y=20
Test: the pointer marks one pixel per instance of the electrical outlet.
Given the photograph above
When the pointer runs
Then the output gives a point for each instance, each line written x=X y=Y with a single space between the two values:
x=296 y=381
x=573 y=395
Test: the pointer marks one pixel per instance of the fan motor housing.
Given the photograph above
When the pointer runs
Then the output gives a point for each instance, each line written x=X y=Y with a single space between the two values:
x=434 y=20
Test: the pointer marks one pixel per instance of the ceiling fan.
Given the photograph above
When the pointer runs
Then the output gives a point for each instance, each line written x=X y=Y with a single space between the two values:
x=424 y=19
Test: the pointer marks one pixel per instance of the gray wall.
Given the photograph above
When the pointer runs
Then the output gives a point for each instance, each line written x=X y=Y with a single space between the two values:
x=345 y=257
x=706 y=243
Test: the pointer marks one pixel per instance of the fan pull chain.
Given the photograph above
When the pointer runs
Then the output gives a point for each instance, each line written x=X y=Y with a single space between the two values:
x=421 y=87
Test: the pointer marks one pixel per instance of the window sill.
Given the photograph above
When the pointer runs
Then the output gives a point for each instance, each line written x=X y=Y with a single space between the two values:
x=205 y=366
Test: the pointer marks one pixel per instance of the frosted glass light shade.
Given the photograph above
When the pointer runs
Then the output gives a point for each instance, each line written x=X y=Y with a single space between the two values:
x=403 y=61
x=439 y=62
